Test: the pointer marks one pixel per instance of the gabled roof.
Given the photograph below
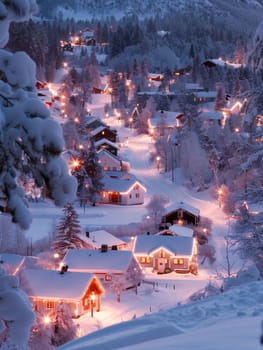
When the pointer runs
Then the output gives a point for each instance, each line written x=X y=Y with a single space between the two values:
x=168 y=117
x=102 y=152
x=98 y=130
x=52 y=284
x=85 y=260
x=211 y=115
x=103 y=141
x=177 y=245
x=99 y=237
x=178 y=230
x=184 y=206
x=121 y=185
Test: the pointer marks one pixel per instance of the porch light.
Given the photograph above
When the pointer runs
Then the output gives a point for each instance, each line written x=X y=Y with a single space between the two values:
x=46 y=319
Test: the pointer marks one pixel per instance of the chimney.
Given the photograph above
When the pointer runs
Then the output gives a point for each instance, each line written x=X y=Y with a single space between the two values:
x=87 y=233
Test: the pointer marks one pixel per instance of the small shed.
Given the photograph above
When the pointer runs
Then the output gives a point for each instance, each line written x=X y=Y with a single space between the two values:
x=80 y=291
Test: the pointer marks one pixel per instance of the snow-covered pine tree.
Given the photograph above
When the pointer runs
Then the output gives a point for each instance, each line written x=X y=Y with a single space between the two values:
x=27 y=130
x=63 y=327
x=95 y=174
x=68 y=231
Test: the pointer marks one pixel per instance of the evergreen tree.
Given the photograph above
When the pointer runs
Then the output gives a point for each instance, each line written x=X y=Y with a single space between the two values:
x=64 y=329
x=95 y=175
x=68 y=231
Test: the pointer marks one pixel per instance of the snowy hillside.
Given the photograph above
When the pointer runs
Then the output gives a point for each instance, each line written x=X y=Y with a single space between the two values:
x=106 y=8
x=230 y=320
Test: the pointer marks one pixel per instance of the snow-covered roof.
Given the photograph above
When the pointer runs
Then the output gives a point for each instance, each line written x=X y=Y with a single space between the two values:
x=205 y=94
x=53 y=284
x=215 y=115
x=178 y=245
x=85 y=260
x=99 y=237
x=103 y=141
x=178 y=230
x=168 y=117
x=184 y=206
x=11 y=262
x=193 y=86
x=120 y=184
x=97 y=130
x=222 y=63
x=102 y=152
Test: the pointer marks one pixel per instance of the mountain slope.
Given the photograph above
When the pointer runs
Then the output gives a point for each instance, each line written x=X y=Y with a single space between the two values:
x=245 y=9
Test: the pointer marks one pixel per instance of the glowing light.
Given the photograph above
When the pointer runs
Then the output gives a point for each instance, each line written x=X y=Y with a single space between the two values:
x=46 y=319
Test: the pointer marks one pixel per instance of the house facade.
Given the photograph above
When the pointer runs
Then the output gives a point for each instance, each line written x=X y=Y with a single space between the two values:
x=164 y=254
x=182 y=214
x=109 y=161
x=81 y=292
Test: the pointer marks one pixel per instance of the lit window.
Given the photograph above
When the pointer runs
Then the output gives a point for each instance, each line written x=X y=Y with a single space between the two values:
x=50 y=304
x=162 y=254
x=178 y=261
x=143 y=260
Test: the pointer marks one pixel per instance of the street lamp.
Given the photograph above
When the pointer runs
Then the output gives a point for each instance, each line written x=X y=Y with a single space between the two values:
x=92 y=299
x=158 y=158
x=220 y=192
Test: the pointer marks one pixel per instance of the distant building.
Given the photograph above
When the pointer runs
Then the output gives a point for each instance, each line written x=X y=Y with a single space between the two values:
x=181 y=213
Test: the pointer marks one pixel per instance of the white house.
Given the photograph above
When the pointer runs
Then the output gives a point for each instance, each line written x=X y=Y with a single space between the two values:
x=107 y=265
x=97 y=239
x=164 y=254
x=109 y=161
x=122 y=188
x=48 y=288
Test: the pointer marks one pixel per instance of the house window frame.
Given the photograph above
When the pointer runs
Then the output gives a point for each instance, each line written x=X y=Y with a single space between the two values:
x=50 y=304
x=178 y=261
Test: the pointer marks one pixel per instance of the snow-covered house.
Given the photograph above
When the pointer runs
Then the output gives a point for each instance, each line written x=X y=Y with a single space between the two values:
x=122 y=188
x=47 y=288
x=180 y=213
x=101 y=238
x=209 y=118
x=93 y=122
x=103 y=132
x=199 y=97
x=108 y=145
x=107 y=265
x=165 y=254
x=109 y=161
x=176 y=230
x=164 y=122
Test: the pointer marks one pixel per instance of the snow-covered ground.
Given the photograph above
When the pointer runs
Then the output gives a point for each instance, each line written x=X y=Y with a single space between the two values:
x=158 y=317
